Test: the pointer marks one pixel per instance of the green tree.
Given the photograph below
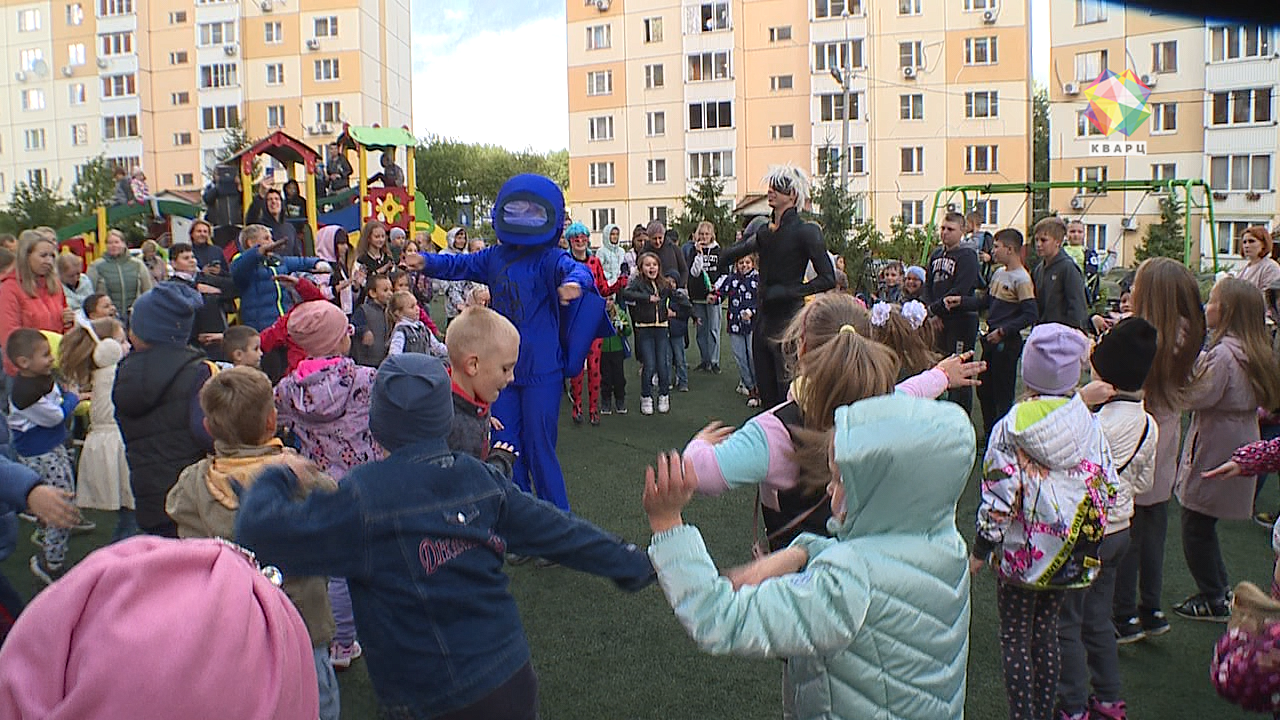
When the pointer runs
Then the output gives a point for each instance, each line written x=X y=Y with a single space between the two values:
x=234 y=139
x=1164 y=239
x=95 y=186
x=905 y=242
x=837 y=214
x=451 y=173
x=707 y=202
x=1040 y=147
x=35 y=204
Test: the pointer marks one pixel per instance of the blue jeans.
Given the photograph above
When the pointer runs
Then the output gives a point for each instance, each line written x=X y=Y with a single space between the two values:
x=653 y=345
x=330 y=703
x=679 y=364
x=708 y=317
x=743 y=356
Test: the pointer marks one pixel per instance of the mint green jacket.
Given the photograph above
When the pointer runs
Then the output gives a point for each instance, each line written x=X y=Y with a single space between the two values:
x=877 y=625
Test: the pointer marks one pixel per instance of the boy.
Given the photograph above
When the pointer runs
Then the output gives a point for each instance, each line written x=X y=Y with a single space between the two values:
x=1011 y=301
x=38 y=412
x=243 y=346
x=891 y=283
x=211 y=319
x=157 y=399
x=442 y=612
x=241 y=417
x=483 y=349
x=678 y=330
x=951 y=279
x=371 y=326
x=1059 y=282
x=613 y=355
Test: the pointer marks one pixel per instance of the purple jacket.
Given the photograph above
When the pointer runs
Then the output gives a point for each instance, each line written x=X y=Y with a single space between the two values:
x=326 y=402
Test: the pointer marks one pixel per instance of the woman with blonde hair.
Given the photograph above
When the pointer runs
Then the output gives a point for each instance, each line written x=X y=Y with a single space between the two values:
x=120 y=275
x=32 y=297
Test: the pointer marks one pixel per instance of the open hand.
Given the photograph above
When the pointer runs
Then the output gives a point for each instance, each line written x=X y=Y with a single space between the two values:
x=961 y=371
x=53 y=506
x=496 y=424
x=289 y=280
x=204 y=289
x=714 y=433
x=209 y=338
x=1097 y=393
x=569 y=292
x=273 y=247
x=413 y=262
x=668 y=490
x=1224 y=471
x=976 y=565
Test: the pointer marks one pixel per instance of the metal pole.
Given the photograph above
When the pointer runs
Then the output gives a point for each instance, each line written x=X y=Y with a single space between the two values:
x=846 y=78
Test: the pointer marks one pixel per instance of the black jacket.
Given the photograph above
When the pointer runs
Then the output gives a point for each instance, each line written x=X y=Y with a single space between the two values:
x=670 y=257
x=785 y=252
x=645 y=312
x=952 y=272
x=212 y=317
x=1060 y=292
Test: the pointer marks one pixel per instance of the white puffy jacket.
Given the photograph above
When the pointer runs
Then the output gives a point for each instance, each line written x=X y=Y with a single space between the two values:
x=1123 y=422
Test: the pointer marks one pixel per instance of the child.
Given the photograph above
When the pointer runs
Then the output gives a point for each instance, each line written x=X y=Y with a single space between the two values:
x=1047 y=486
x=442 y=611
x=408 y=332
x=873 y=622
x=21 y=489
x=613 y=355
x=742 y=288
x=650 y=296
x=902 y=329
x=1235 y=375
x=891 y=283
x=1011 y=304
x=373 y=257
x=89 y=355
x=217 y=290
x=325 y=404
x=455 y=291
x=1059 y=282
x=370 y=322
x=38 y=413
x=98 y=306
x=240 y=415
x=402 y=282
x=75 y=284
x=913 y=284
x=243 y=346
x=255 y=269
x=678 y=331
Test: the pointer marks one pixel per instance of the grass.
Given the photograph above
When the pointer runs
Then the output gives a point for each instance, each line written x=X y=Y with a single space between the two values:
x=602 y=653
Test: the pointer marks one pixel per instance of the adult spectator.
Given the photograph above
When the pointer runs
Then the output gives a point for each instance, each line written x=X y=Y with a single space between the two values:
x=123 y=193
x=704 y=259
x=785 y=246
x=951 y=277
x=1261 y=271
x=31 y=297
x=282 y=231
x=295 y=207
x=258 y=206
x=391 y=176
x=1059 y=281
x=337 y=170
x=663 y=244
x=120 y=275
x=207 y=254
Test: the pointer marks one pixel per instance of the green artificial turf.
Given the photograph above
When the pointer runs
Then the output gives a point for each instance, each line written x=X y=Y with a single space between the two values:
x=602 y=653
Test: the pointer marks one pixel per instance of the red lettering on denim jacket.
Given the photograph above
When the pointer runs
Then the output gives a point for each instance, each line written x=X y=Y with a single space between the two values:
x=435 y=552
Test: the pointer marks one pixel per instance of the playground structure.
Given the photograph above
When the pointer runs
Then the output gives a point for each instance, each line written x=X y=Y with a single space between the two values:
x=289 y=152
x=401 y=207
x=87 y=237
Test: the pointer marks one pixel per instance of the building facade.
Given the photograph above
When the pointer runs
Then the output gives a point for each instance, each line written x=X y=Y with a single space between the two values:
x=663 y=92
x=156 y=85
x=1213 y=117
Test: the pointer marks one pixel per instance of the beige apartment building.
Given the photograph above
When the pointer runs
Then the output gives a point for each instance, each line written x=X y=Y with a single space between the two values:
x=1213 y=117
x=155 y=84
x=663 y=92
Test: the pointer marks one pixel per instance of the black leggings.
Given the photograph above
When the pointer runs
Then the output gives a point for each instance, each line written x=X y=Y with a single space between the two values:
x=1029 y=641
x=1204 y=555
x=515 y=699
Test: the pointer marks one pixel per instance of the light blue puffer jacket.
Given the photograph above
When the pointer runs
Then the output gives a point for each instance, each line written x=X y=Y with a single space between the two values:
x=877 y=625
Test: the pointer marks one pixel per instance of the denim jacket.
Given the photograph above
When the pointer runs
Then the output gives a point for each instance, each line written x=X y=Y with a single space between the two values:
x=421 y=538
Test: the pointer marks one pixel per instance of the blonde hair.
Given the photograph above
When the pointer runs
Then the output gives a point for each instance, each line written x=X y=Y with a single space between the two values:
x=66 y=261
x=250 y=233
x=1242 y=315
x=475 y=331
x=28 y=241
x=914 y=346
x=399 y=299
x=237 y=404
x=1166 y=294
x=706 y=224
x=818 y=322
x=75 y=352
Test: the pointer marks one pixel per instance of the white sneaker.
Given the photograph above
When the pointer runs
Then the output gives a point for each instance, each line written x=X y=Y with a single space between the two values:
x=646 y=406
x=664 y=403
x=742 y=389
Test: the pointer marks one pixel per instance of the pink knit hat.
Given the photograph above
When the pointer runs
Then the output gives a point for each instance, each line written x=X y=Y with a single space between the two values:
x=150 y=629
x=318 y=327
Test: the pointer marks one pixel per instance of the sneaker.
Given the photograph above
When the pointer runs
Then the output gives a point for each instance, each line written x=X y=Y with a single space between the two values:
x=84 y=527
x=753 y=402
x=715 y=369
x=545 y=563
x=606 y=407
x=622 y=407
x=577 y=417
x=1099 y=710
x=682 y=388
x=28 y=517
x=595 y=418
x=1128 y=630
x=1265 y=519
x=664 y=403
x=702 y=367
x=742 y=389
x=514 y=559
x=1154 y=623
x=1064 y=715
x=340 y=656
x=1198 y=607
x=646 y=406
x=43 y=572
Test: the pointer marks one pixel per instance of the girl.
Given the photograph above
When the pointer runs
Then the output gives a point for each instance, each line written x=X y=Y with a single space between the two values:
x=455 y=291
x=611 y=253
x=401 y=282
x=408 y=333
x=704 y=272
x=75 y=284
x=372 y=256
x=333 y=248
x=419 y=283
x=903 y=330
x=651 y=297
x=88 y=358
x=1261 y=271
x=1165 y=294
x=629 y=258
x=742 y=287
x=1234 y=376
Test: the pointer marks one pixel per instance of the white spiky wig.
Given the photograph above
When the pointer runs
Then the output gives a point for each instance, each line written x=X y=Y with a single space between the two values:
x=789 y=176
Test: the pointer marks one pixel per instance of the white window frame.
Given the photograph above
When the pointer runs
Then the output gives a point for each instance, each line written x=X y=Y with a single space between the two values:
x=31 y=99
x=652 y=29
x=1258 y=100
x=979 y=5
x=1089 y=12
x=329 y=111
x=655 y=122
x=912 y=212
x=708 y=66
x=600 y=128
x=1089 y=65
x=911 y=106
x=29 y=20
x=327 y=69
x=325 y=26
x=655 y=76
x=1088 y=174
x=830 y=106
x=599 y=82
x=909 y=7
x=655 y=171
x=279 y=119
x=779 y=33
x=182 y=139
x=119 y=85
x=215 y=33
x=786 y=131
x=831 y=55
x=34 y=139
x=273 y=33
x=113 y=8
x=1230 y=43
x=834 y=9
x=1164 y=118
x=982 y=159
x=77 y=93
x=991 y=99
x=828 y=158
x=79 y=134
x=981 y=50
x=218 y=75
x=76 y=54
x=1164 y=56
x=714 y=16
x=601 y=174
x=120 y=127
x=911 y=160
x=779 y=83
x=600 y=217
x=75 y=14
x=275 y=73
x=600 y=37
x=717 y=163
x=218 y=117
x=1250 y=170
x=915 y=50
x=711 y=111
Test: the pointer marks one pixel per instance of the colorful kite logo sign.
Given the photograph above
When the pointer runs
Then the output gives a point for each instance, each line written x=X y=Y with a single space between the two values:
x=1117 y=103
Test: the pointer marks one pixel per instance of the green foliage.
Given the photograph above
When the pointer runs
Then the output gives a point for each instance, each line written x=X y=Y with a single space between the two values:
x=1040 y=147
x=95 y=186
x=234 y=139
x=450 y=172
x=33 y=205
x=837 y=214
x=905 y=242
x=1164 y=239
x=707 y=202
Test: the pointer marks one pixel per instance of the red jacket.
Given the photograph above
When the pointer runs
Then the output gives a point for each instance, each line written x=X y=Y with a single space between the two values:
x=20 y=310
x=597 y=273
x=278 y=333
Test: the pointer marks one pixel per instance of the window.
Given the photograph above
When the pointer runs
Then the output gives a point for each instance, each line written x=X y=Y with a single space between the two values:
x=829 y=158
x=1164 y=171
x=1 y=182
x=982 y=104
x=910 y=54
x=75 y=14
x=715 y=16
x=273 y=33
x=711 y=115
x=184 y=179
x=1234 y=42
x=1084 y=127
x=656 y=170
x=980 y=51
x=1239 y=107
x=80 y=134
x=275 y=116
x=329 y=111
x=275 y=74
x=653 y=29
x=913 y=212
x=781 y=82
x=326 y=26
x=1164 y=57
x=600 y=82
x=911 y=107
x=832 y=106
x=989 y=210
x=703 y=164
x=708 y=66
x=1240 y=172
x=181 y=138
x=182 y=97
x=119 y=126
x=656 y=212
x=75 y=54
x=114 y=86
x=326 y=69
x=76 y=93
x=32 y=99
x=1091 y=11
x=107 y=8
x=908 y=7
x=1095 y=237
x=655 y=123
x=218 y=76
x=1091 y=174
x=216 y=33
x=912 y=160
x=119 y=43
x=836 y=8
x=28 y=20
x=599 y=37
x=1090 y=65
x=38 y=177
x=1229 y=234
x=219 y=118
x=600 y=128
x=653 y=76
x=33 y=139
x=781 y=33
x=28 y=58
x=834 y=55
x=979 y=5
x=601 y=217
x=1164 y=117
x=981 y=159
x=178 y=17
x=178 y=57
x=782 y=132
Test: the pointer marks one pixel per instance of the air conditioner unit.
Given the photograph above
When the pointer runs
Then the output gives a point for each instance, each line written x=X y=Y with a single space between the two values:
x=1077 y=203
x=602 y=5
x=909 y=72
x=266 y=6
x=313 y=44
x=989 y=17
x=952 y=207
x=323 y=129
x=1070 y=89
x=230 y=49
x=102 y=63
x=1129 y=224
x=20 y=76
x=1148 y=80
x=68 y=71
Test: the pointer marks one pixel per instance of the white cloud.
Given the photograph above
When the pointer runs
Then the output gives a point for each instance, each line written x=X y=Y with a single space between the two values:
x=505 y=87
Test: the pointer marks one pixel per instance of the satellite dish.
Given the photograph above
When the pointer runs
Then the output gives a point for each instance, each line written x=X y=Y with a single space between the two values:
x=40 y=67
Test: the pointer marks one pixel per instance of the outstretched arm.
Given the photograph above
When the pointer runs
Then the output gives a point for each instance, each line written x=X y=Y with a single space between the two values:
x=736 y=252
x=472 y=266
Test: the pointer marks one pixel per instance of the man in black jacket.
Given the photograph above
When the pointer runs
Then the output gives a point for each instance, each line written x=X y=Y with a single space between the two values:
x=666 y=245
x=1059 y=283
x=951 y=276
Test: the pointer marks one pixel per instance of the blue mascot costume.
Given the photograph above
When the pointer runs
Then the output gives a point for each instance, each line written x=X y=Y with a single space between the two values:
x=552 y=300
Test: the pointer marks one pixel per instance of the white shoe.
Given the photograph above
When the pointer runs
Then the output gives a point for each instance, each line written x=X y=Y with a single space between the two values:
x=742 y=389
x=646 y=406
x=664 y=403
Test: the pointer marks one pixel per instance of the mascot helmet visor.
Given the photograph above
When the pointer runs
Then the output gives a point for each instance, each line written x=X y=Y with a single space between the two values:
x=525 y=214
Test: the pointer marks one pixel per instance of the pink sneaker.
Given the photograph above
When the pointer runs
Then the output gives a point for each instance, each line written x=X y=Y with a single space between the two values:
x=1099 y=710
x=340 y=656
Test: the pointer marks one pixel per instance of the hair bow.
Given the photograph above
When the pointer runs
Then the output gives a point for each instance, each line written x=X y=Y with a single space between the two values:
x=915 y=313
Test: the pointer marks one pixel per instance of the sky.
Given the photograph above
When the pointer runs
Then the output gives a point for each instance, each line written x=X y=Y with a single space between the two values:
x=466 y=85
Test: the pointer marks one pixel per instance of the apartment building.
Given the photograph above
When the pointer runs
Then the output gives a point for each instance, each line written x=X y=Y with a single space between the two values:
x=663 y=92
x=1213 y=117
x=156 y=84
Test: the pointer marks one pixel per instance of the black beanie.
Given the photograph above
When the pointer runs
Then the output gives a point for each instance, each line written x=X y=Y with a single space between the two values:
x=1123 y=355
